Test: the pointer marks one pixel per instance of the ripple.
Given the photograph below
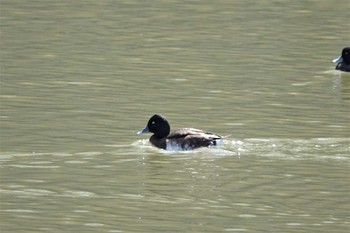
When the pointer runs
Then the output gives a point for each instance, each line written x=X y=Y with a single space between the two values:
x=236 y=229
x=21 y=211
x=33 y=166
x=76 y=162
x=294 y=224
x=28 y=192
x=92 y=153
x=247 y=215
x=294 y=149
x=78 y=194
x=94 y=224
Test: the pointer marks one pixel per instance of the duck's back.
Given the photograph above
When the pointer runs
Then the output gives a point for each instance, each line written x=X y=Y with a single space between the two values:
x=190 y=138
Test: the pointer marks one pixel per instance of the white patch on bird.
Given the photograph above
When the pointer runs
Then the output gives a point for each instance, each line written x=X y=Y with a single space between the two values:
x=173 y=146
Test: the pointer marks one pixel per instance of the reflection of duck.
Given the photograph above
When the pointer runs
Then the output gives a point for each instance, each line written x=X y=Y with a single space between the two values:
x=181 y=139
x=343 y=62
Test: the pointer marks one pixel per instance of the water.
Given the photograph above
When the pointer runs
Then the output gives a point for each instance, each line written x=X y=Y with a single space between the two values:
x=78 y=80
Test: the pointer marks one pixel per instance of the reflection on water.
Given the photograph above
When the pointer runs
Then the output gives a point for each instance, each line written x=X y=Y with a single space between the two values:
x=78 y=79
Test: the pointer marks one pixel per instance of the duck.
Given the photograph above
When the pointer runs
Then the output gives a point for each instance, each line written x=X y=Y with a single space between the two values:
x=183 y=139
x=343 y=62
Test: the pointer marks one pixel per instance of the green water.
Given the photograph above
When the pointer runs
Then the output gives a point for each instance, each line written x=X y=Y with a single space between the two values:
x=79 y=79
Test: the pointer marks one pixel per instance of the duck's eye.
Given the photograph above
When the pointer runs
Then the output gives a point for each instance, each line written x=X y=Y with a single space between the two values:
x=153 y=122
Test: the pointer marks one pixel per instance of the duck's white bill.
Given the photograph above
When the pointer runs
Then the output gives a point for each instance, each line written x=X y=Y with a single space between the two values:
x=145 y=130
x=338 y=60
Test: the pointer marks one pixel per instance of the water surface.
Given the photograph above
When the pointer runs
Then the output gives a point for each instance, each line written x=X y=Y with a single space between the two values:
x=79 y=79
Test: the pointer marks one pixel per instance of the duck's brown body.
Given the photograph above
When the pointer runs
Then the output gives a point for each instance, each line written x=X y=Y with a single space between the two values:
x=186 y=139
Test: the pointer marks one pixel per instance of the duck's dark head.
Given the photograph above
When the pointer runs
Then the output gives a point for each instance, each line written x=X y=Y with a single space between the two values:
x=158 y=125
x=345 y=56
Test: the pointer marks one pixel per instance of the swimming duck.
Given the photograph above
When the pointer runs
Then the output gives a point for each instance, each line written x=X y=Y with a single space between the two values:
x=181 y=139
x=343 y=62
